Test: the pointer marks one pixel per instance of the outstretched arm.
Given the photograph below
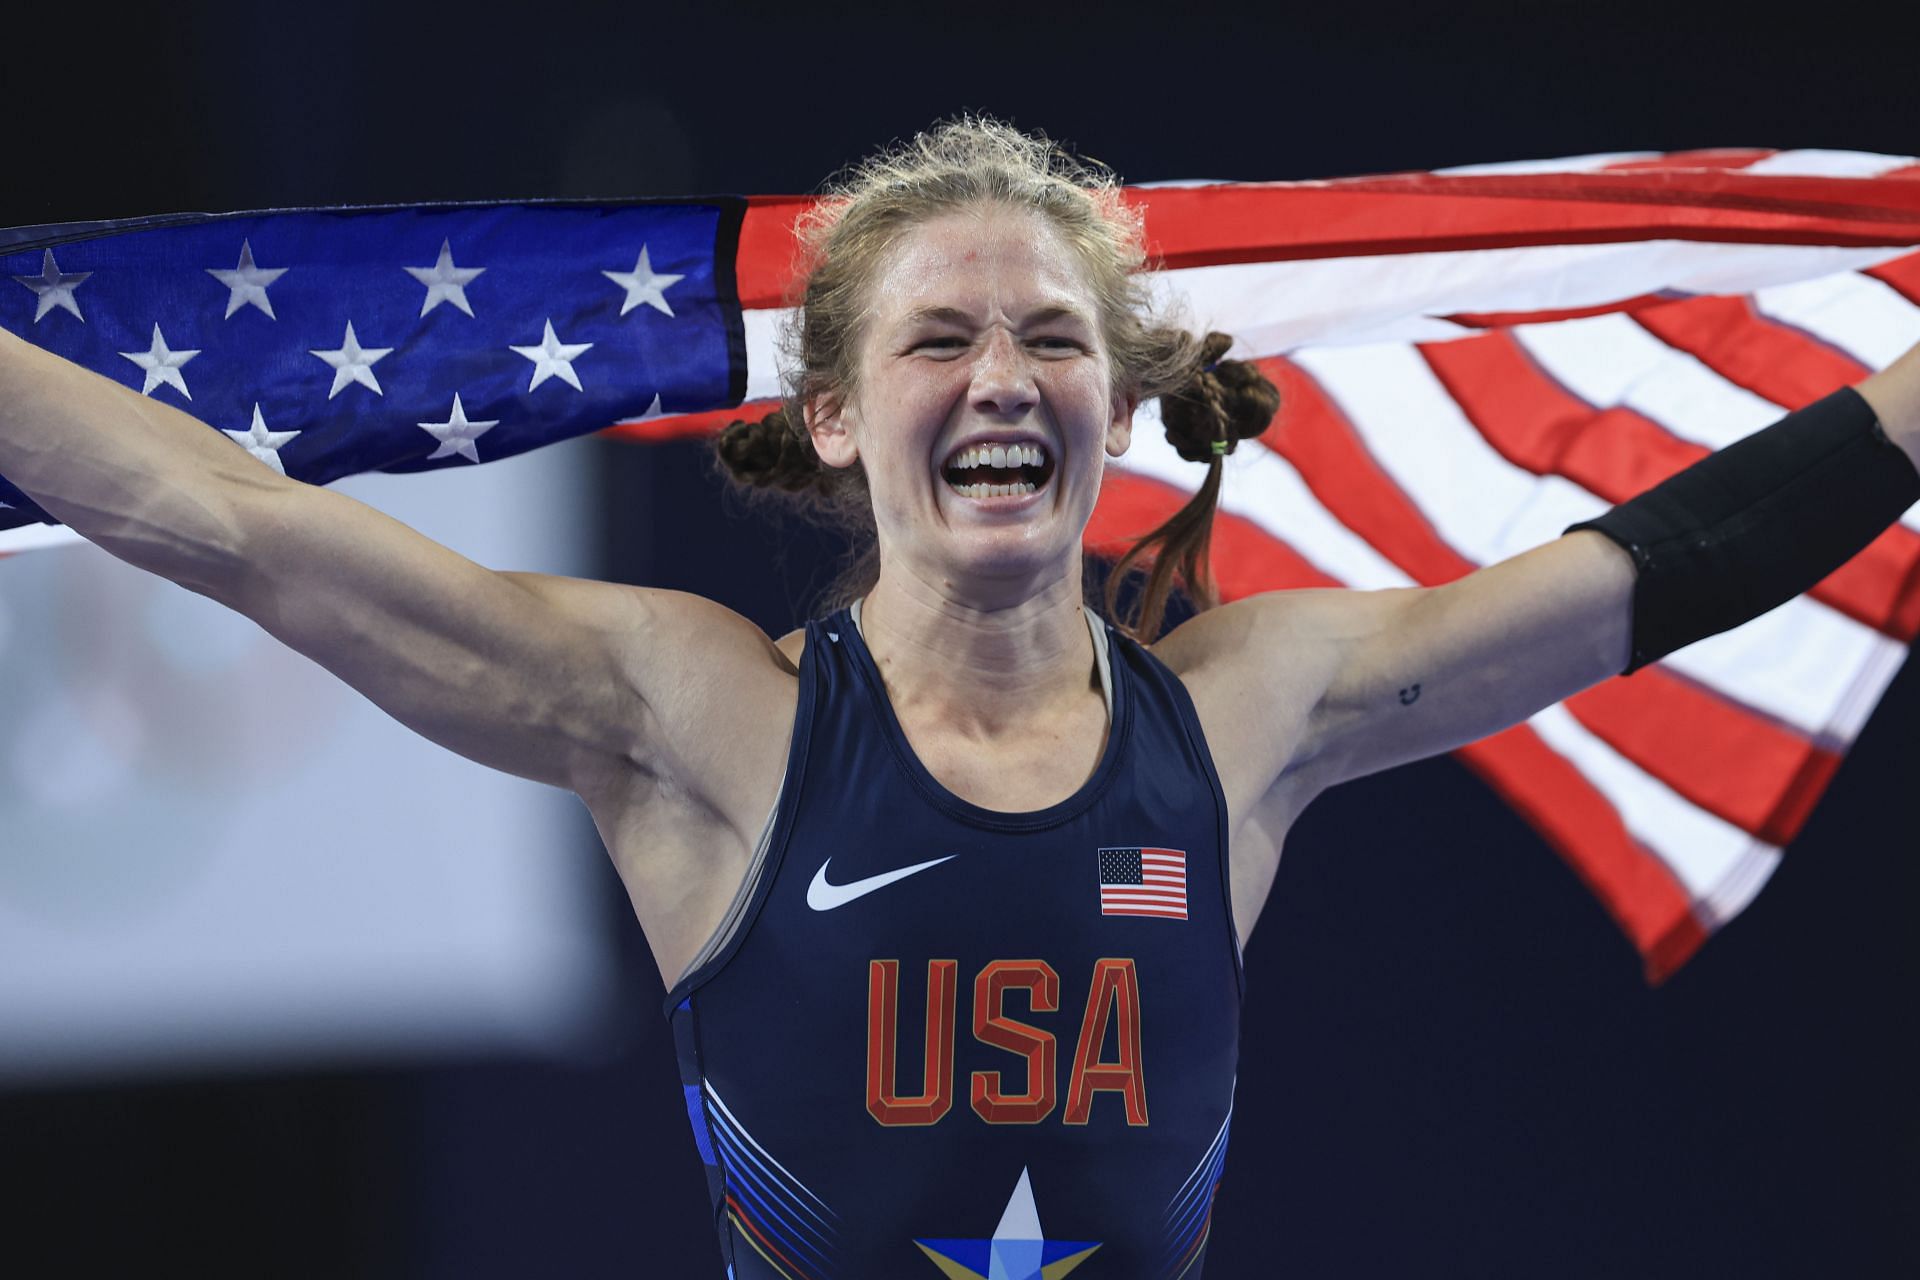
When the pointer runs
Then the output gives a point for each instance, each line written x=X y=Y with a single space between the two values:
x=516 y=671
x=1894 y=393
x=1368 y=680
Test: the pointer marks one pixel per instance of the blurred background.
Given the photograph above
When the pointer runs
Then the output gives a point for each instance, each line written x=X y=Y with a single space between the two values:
x=285 y=991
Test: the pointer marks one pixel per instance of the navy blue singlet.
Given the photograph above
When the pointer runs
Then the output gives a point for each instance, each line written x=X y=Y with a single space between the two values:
x=945 y=1040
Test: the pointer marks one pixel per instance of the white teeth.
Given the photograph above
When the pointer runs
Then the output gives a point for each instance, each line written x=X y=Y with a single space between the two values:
x=999 y=455
x=993 y=490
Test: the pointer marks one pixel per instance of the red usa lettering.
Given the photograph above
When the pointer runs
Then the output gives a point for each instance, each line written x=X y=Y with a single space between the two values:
x=1113 y=994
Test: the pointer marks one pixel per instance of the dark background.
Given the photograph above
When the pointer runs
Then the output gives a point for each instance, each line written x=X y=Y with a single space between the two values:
x=1452 y=1066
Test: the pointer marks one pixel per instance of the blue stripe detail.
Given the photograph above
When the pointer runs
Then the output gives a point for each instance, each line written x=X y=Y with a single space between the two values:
x=767 y=1200
x=1188 y=1213
x=696 y=1113
x=741 y=1147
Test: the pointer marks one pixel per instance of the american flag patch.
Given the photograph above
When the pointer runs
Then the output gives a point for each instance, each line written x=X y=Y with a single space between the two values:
x=1143 y=882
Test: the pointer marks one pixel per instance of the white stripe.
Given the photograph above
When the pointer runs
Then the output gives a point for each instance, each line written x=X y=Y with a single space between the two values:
x=741 y=1131
x=1262 y=487
x=762 y=328
x=1864 y=317
x=1814 y=162
x=1486 y=508
x=1797 y=663
x=1571 y=164
x=1704 y=851
x=33 y=537
x=1739 y=886
x=1802 y=663
x=1612 y=360
x=1275 y=307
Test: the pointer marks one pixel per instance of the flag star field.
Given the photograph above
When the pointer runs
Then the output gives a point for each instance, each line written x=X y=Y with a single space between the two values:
x=329 y=343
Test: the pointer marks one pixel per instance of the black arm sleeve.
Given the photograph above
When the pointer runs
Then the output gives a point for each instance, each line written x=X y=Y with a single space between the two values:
x=1748 y=528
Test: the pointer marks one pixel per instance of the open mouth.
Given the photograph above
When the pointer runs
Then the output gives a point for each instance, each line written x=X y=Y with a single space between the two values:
x=998 y=470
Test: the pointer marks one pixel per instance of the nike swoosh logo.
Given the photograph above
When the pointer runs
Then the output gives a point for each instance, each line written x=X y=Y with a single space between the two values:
x=822 y=896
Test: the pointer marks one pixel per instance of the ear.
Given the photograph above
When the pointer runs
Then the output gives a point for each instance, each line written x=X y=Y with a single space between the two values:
x=1120 y=428
x=829 y=424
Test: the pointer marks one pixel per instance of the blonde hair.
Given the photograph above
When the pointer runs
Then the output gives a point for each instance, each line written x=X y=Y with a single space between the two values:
x=844 y=240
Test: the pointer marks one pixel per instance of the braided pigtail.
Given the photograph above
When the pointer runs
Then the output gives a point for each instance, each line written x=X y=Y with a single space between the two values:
x=771 y=453
x=1221 y=403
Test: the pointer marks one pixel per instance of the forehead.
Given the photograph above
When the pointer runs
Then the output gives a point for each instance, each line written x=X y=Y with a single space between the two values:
x=980 y=261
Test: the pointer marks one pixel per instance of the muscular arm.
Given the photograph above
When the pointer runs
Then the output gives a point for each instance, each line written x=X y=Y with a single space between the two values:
x=1359 y=681
x=517 y=671
x=1371 y=679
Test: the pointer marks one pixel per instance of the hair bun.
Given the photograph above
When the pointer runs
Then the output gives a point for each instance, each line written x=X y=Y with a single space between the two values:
x=1224 y=402
x=769 y=454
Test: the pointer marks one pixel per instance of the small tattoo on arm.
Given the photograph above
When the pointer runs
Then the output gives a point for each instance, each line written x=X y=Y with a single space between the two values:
x=1410 y=695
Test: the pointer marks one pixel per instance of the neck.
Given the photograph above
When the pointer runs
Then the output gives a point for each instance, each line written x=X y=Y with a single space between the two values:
x=978 y=668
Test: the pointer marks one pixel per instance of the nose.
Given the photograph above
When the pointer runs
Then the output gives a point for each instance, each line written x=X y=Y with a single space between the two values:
x=1003 y=382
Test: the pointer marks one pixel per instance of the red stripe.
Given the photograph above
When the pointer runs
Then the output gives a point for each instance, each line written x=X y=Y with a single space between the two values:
x=1635 y=887
x=1312 y=433
x=1902 y=275
x=678 y=426
x=763 y=269
x=1246 y=559
x=1260 y=222
x=1507 y=319
x=740 y=1216
x=1770 y=359
x=1200 y=1242
x=1617 y=453
x=1709 y=158
x=1423 y=212
x=1905 y=173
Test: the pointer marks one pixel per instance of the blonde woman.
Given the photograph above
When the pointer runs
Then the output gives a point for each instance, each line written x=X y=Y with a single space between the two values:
x=949 y=888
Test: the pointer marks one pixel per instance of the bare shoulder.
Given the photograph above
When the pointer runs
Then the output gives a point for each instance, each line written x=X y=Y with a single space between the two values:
x=791 y=646
x=708 y=681
x=1256 y=670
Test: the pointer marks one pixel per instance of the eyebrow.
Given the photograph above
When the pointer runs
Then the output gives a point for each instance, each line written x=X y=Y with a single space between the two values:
x=955 y=316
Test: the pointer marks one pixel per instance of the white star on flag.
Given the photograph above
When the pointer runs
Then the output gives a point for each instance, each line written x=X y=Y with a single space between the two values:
x=247 y=283
x=553 y=359
x=162 y=365
x=643 y=284
x=262 y=443
x=55 y=288
x=353 y=363
x=445 y=282
x=456 y=434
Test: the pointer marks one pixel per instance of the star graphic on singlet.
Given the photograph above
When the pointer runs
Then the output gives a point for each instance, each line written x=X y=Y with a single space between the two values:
x=1018 y=1250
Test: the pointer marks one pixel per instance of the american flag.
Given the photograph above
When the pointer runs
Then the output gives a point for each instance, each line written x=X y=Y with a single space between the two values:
x=1143 y=882
x=329 y=342
x=1472 y=360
